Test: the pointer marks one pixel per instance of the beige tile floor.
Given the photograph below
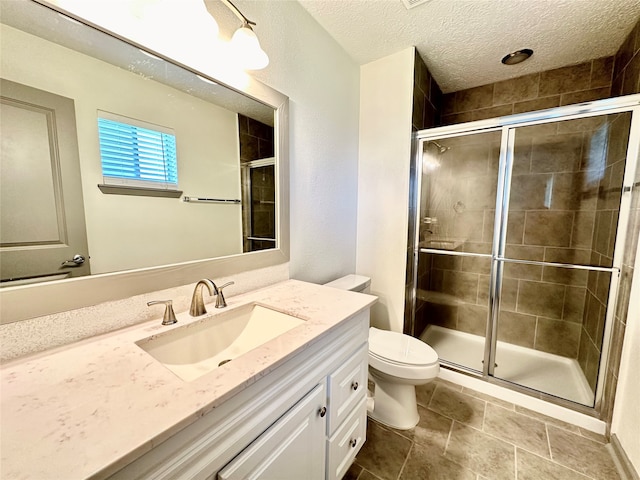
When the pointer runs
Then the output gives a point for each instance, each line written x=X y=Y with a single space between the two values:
x=464 y=434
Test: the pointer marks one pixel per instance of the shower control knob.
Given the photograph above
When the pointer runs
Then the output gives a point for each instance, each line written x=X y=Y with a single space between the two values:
x=322 y=412
x=355 y=386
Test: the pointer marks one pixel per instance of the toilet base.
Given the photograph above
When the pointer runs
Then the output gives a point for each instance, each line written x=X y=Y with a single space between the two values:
x=394 y=405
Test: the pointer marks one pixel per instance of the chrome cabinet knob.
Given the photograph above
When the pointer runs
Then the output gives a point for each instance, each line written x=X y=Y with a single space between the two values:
x=322 y=412
x=354 y=386
x=353 y=442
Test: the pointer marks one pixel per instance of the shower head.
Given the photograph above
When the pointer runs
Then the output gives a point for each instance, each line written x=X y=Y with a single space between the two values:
x=441 y=148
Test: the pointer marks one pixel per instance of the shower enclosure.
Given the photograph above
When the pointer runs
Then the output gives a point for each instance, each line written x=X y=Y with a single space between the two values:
x=518 y=229
x=259 y=204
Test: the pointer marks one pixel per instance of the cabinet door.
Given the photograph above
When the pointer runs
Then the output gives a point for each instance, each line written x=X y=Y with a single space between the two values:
x=293 y=447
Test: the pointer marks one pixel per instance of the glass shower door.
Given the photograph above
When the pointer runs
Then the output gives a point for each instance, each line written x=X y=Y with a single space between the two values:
x=458 y=187
x=554 y=266
x=259 y=204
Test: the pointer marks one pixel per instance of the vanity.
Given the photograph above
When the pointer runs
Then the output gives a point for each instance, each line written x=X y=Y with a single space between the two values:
x=293 y=407
x=134 y=403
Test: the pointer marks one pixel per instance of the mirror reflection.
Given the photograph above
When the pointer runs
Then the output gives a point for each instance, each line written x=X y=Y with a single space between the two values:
x=60 y=202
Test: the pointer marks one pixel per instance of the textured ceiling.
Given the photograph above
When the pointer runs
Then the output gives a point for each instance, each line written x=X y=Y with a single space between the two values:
x=462 y=41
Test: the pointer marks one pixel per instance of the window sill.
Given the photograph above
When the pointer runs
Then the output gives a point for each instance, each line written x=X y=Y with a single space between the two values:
x=139 y=191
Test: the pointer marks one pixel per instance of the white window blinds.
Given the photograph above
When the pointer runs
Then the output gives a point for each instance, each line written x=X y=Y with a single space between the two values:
x=137 y=153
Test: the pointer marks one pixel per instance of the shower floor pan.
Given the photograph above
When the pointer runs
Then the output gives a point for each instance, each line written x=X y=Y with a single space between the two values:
x=545 y=372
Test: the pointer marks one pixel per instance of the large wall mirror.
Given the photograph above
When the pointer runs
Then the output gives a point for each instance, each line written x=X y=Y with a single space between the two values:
x=80 y=223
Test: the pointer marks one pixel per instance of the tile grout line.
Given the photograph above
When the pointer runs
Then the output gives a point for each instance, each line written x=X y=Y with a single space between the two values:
x=406 y=459
x=484 y=416
x=446 y=444
x=555 y=462
x=546 y=429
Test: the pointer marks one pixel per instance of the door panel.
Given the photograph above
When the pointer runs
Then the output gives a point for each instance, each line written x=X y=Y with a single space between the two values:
x=258 y=204
x=458 y=195
x=42 y=221
x=555 y=274
x=566 y=185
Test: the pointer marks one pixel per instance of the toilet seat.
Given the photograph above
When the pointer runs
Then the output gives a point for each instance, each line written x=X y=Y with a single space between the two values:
x=397 y=364
x=399 y=349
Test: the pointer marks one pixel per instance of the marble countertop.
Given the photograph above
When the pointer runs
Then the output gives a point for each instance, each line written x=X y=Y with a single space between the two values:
x=88 y=409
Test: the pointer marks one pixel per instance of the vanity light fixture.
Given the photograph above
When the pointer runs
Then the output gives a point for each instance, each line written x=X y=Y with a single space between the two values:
x=244 y=43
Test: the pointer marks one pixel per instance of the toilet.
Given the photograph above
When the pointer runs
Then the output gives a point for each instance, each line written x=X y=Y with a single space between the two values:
x=397 y=364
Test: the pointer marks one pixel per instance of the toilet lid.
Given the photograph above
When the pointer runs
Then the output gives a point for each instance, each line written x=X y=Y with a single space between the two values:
x=400 y=348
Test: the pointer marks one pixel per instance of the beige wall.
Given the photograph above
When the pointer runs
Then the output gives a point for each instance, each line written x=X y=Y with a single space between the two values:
x=622 y=386
x=386 y=90
x=626 y=414
x=126 y=232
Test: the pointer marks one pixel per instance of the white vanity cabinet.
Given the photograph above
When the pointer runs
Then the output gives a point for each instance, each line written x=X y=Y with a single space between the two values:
x=305 y=419
x=293 y=447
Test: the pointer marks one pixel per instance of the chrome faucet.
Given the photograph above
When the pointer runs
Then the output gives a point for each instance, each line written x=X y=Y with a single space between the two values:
x=197 y=303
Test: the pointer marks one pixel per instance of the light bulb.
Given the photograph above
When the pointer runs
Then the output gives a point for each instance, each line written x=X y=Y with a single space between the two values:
x=246 y=46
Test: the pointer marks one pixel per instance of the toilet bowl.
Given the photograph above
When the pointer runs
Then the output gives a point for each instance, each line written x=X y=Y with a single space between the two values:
x=397 y=364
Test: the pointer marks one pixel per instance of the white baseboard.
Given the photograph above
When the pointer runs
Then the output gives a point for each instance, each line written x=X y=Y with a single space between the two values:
x=625 y=467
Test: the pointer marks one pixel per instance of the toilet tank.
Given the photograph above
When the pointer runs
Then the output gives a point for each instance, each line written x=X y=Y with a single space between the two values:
x=355 y=283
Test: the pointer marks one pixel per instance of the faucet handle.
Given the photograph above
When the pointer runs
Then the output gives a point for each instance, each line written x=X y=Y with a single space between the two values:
x=220 y=301
x=169 y=317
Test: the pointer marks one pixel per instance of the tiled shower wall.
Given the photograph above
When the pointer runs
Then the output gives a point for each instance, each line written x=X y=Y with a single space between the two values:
x=553 y=88
x=256 y=139
x=427 y=100
x=427 y=97
x=607 y=209
x=626 y=80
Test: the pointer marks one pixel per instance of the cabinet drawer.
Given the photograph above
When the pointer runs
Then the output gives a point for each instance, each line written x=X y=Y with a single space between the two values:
x=347 y=386
x=347 y=441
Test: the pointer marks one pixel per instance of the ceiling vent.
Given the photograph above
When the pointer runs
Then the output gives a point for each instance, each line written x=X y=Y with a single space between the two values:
x=413 y=3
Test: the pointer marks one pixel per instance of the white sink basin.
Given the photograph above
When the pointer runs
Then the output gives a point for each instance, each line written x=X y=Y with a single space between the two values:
x=198 y=348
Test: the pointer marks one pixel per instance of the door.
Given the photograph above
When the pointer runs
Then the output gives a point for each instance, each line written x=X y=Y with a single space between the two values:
x=42 y=224
x=458 y=189
x=259 y=204
x=293 y=447
x=536 y=265
x=555 y=264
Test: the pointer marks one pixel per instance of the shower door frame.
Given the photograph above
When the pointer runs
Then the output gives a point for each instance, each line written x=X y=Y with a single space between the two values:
x=507 y=126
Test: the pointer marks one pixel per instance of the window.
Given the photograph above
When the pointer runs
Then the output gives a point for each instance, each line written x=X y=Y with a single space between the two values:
x=136 y=153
